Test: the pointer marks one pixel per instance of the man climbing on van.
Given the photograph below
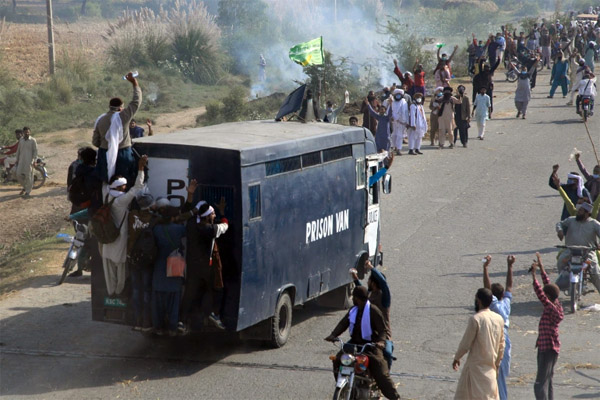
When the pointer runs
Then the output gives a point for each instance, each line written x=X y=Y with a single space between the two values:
x=111 y=136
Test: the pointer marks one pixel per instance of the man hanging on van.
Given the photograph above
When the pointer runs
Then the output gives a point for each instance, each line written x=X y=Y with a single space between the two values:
x=204 y=269
x=111 y=136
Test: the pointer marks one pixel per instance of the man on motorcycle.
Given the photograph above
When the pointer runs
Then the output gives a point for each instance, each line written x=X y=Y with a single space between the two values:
x=582 y=230
x=587 y=87
x=10 y=150
x=365 y=328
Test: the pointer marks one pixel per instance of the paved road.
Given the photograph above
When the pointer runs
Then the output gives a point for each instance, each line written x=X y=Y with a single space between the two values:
x=448 y=209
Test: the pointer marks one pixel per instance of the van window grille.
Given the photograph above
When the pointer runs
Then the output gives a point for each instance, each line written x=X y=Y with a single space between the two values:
x=310 y=159
x=254 y=197
x=213 y=194
x=283 y=165
x=337 y=153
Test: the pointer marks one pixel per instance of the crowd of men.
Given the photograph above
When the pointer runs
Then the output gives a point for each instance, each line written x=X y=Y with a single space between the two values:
x=151 y=232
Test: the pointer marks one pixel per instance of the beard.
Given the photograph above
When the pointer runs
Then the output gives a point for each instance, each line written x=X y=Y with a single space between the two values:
x=580 y=217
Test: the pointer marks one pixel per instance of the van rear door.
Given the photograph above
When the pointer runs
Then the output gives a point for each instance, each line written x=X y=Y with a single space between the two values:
x=372 y=225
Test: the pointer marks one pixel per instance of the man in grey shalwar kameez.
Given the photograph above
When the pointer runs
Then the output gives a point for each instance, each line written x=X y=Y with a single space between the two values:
x=523 y=92
x=26 y=156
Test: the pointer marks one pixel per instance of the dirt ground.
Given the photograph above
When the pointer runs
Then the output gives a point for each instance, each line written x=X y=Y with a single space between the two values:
x=80 y=38
x=44 y=213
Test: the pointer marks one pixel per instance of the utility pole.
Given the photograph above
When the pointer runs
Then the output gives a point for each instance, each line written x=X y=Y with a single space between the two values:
x=50 y=35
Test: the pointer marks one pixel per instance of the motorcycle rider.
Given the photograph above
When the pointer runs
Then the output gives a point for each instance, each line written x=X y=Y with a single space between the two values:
x=379 y=295
x=370 y=329
x=587 y=87
x=582 y=230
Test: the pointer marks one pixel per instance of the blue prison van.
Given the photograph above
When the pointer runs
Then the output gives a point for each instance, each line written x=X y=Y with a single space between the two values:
x=300 y=209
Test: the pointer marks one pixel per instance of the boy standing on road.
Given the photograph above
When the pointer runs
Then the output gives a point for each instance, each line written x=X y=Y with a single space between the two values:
x=502 y=297
x=547 y=342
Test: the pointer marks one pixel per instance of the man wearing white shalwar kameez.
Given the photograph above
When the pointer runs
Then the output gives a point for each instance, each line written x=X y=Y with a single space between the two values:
x=399 y=119
x=418 y=125
x=114 y=255
x=26 y=157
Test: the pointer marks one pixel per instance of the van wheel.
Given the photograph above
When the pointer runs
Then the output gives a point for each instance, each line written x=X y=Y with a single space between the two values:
x=281 y=322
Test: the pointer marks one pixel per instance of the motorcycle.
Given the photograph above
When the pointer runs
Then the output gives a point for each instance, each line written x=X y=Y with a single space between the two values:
x=354 y=381
x=512 y=70
x=76 y=252
x=578 y=274
x=39 y=173
x=587 y=104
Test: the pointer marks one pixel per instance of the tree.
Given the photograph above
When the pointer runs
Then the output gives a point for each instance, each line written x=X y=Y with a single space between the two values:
x=333 y=77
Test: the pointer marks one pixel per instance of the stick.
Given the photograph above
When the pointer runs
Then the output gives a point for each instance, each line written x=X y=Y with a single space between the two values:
x=593 y=147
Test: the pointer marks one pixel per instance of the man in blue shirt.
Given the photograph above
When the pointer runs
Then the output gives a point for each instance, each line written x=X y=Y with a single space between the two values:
x=501 y=305
x=136 y=131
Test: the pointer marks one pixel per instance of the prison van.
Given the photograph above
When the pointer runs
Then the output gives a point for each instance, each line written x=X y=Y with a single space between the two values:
x=300 y=208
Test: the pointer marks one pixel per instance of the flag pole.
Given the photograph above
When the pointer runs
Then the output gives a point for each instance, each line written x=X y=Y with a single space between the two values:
x=591 y=141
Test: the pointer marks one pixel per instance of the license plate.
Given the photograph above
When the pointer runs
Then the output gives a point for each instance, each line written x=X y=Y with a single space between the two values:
x=346 y=370
x=576 y=260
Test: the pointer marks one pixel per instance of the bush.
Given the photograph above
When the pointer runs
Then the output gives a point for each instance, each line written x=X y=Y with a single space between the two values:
x=195 y=40
x=62 y=88
x=93 y=10
x=528 y=8
x=214 y=112
x=46 y=99
x=235 y=107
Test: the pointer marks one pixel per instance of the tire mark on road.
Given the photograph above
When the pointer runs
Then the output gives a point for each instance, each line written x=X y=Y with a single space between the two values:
x=236 y=364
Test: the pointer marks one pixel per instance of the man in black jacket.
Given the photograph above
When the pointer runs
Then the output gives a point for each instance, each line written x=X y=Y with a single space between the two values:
x=484 y=79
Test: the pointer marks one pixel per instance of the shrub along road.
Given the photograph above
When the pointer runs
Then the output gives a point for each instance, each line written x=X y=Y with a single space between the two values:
x=448 y=209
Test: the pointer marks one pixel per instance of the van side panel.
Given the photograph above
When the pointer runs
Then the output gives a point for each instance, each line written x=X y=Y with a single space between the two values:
x=308 y=235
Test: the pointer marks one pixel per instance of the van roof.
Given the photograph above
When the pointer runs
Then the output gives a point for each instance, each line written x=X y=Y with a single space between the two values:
x=253 y=138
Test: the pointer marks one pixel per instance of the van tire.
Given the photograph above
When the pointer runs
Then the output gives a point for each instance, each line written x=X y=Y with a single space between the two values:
x=281 y=322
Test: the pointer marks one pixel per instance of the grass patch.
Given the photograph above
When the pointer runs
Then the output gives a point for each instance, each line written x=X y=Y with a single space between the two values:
x=30 y=259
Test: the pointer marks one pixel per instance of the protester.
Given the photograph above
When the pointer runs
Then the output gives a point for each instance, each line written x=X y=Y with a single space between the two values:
x=353 y=121
x=434 y=106
x=462 y=117
x=523 y=92
x=559 y=76
x=382 y=135
x=137 y=131
x=380 y=296
x=399 y=118
x=580 y=230
x=114 y=255
x=419 y=82
x=85 y=193
x=482 y=107
x=141 y=255
x=330 y=114
x=592 y=183
x=501 y=301
x=405 y=79
x=204 y=268
x=589 y=55
x=574 y=188
x=484 y=341
x=484 y=79
x=371 y=328
x=418 y=125
x=262 y=69
x=587 y=87
x=446 y=116
x=545 y=44
x=310 y=110
x=579 y=67
x=166 y=291
x=111 y=136
x=10 y=150
x=26 y=157
x=547 y=343
x=369 y=122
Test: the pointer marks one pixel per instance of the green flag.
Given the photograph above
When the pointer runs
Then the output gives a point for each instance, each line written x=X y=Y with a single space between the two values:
x=308 y=53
